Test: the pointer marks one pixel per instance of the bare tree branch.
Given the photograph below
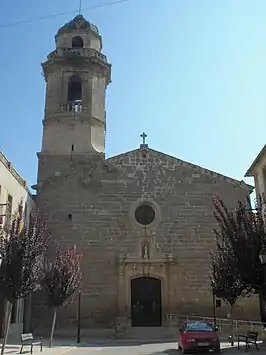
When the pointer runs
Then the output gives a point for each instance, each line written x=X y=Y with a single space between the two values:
x=242 y=232
x=22 y=249
x=62 y=277
x=61 y=280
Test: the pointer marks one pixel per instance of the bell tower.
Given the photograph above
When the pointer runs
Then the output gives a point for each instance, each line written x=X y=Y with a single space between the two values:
x=76 y=75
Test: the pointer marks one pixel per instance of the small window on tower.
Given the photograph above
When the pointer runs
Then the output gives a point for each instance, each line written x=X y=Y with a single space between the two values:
x=74 y=89
x=77 y=42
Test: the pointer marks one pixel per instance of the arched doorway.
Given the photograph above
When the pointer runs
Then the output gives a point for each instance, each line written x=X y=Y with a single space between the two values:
x=146 y=302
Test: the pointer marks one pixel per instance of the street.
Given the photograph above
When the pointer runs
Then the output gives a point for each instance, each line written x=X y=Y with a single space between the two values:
x=126 y=348
x=145 y=349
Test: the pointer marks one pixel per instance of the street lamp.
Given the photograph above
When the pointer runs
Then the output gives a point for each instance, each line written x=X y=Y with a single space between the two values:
x=213 y=304
x=78 y=318
x=262 y=255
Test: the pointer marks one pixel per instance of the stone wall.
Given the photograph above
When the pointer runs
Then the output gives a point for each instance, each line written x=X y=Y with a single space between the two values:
x=91 y=202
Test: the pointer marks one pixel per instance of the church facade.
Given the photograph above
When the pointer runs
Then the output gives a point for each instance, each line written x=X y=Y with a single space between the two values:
x=143 y=220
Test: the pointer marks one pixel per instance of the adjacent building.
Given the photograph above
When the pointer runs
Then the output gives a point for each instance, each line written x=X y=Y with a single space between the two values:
x=143 y=220
x=13 y=190
x=257 y=170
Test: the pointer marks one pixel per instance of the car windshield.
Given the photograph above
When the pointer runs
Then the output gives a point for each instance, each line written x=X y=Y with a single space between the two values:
x=199 y=327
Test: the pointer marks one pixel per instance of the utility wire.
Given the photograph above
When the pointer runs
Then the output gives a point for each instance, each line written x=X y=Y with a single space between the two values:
x=80 y=6
x=110 y=3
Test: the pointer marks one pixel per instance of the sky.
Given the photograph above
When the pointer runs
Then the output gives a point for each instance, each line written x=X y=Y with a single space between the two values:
x=189 y=73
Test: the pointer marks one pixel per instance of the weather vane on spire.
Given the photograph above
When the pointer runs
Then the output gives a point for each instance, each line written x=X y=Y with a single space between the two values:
x=80 y=6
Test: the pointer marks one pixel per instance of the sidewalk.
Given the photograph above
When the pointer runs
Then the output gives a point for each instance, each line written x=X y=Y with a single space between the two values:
x=227 y=349
x=57 y=349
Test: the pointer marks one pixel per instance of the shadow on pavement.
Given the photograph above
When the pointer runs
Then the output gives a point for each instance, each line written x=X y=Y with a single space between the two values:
x=229 y=350
x=168 y=352
x=11 y=349
x=103 y=342
x=113 y=342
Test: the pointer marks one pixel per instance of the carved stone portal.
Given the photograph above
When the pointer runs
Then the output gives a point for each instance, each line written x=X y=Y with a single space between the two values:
x=144 y=266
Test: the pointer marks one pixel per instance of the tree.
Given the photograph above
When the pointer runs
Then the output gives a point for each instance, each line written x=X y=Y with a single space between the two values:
x=226 y=280
x=22 y=248
x=61 y=280
x=243 y=234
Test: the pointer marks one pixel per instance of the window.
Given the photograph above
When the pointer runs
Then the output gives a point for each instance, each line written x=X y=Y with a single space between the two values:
x=199 y=327
x=264 y=180
x=144 y=215
x=77 y=42
x=1 y=210
x=9 y=210
x=25 y=212
x=74 y=89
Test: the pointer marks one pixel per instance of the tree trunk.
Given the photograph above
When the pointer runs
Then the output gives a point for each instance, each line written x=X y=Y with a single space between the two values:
x=7 y=324
x=262 y=309
x=52 y=330
x=263 y=315
x=27 y=328
x=232 y=325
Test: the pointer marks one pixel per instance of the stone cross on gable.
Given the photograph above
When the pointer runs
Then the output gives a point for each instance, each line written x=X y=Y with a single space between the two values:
x=143 y=136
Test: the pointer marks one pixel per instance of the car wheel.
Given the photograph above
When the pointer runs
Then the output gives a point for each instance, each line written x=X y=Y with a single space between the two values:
x=217 y=350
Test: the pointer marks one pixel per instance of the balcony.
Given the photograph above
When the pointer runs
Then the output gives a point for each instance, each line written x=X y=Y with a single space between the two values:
x=67 y=111
x=77 y=52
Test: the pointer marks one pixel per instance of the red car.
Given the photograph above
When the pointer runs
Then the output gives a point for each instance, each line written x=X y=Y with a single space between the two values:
x=198 y=336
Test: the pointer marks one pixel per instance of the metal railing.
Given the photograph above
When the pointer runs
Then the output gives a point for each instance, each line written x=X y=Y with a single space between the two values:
x=73 y=107
x=223 y=324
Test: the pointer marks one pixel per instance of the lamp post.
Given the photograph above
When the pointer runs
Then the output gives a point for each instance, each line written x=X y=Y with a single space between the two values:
x=213 y=304
x=262 y=257
x=78 y=318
